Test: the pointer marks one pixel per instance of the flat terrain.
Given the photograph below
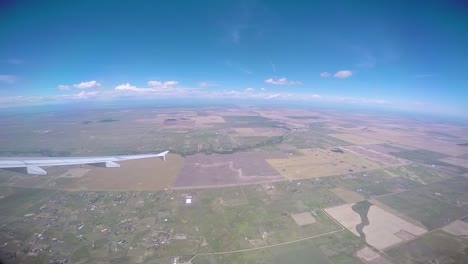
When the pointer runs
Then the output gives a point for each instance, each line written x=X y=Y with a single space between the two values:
x=347 y=195
x=257 y=179
x=381 y=228
x=375 y=155
x=321 y=163
x=143 y=174
x=431 y=212
x=356 y=139
x=458 y=161
x=222 y=170
x=457 y=228
x=436 y=247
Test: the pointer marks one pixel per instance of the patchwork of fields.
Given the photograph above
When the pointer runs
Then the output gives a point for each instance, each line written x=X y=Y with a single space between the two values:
x=264 y=185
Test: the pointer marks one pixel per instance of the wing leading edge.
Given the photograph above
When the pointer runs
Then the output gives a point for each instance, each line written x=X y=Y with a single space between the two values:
x=33 y=165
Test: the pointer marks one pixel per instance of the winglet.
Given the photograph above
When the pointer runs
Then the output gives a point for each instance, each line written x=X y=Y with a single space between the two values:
x=110 y=164
x=162 y=155
x=35 y=170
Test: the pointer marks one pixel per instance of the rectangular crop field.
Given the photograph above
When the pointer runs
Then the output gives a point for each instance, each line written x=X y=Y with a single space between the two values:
x=322 y=163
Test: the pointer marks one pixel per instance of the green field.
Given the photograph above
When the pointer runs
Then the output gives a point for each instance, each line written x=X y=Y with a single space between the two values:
x=16 y=201
x=333 y=248
x=420 y=173
x=435 y=247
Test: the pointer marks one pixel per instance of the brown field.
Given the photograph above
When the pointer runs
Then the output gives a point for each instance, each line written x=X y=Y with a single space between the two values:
x=142 y=174
x=415 y=140
x=304 y=218
x=321 y=163
x=457 y=161
x=75 y=173
x=182 y=120
x=457 y=228
x=384 y=229
x=357 y=140
x=229 y=169
x=347 y=195
x=376 y=156
x=208 y=120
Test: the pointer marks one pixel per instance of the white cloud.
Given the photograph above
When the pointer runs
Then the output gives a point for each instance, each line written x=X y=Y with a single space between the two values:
x=87 y=85
x=262 y=89
x=7 y=78
x=158 y=84
x=325 y=74
x=282 y=81
x=63 y=88
x=156 y=87
x=130 y=88
x=250 y=90
x=86 y=95
x=343 y=74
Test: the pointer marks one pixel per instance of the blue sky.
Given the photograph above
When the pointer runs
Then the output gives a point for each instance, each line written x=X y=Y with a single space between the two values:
x=397 y=54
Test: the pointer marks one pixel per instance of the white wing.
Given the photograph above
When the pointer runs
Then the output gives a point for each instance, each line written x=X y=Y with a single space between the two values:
x=32 y=165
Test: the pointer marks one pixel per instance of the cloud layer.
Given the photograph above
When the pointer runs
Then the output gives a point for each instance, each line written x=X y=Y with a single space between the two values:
x=158 y=84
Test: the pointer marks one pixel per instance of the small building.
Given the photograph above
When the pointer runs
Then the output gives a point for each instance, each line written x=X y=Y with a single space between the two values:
x=188 y=199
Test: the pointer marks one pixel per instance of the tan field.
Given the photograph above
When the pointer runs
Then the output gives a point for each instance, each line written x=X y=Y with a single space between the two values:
x=375 y=155
x=304 y=218
x=414 y=140
x=207 y=120
x=321 y=163
x=384 y=229
x=74 y=173
x=345 y=215
x=143 y=174
x=396 y=212
x=357 y=140
x=347 y=195
x=189 y=120
x=457 y=228
x=457 y=161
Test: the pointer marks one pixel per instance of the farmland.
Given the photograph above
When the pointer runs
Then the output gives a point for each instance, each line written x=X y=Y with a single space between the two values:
x=321 y=163
x=264 y=185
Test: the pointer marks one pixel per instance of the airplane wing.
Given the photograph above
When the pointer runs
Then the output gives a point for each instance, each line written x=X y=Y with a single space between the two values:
x=33 y=164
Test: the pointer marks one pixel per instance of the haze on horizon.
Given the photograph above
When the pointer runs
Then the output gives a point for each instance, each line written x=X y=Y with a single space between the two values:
x=396 y=55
